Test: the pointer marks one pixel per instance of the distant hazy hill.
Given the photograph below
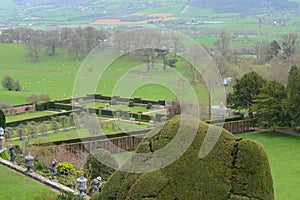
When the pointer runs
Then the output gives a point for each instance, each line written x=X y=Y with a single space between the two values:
x=244 y=5
x=7 y=4
x=52 y=2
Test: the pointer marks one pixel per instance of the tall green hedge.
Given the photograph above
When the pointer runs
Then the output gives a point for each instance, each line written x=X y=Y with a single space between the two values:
x=234 y=169
x=2 y=119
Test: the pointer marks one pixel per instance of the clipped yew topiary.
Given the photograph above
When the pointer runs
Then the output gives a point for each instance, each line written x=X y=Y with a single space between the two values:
x=234 y=169
x=2 y=119
x=95 y=166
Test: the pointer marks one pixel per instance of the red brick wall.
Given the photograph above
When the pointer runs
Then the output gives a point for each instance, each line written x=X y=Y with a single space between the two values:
x=19 y=109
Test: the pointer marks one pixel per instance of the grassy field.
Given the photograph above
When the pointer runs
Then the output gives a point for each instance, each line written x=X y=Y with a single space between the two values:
x=56 y=75
x=44 y=76
x=28 y=115
x=15 y=186
x=284 y=156
x=7 y=4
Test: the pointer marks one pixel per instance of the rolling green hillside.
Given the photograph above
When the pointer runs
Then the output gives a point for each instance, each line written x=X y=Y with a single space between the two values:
x=7 y=4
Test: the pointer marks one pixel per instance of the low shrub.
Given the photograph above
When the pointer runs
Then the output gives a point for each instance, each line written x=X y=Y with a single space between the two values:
x=45 y=196
x=149 y=106
x=131 y=104
x=65 y=168
x=69 y=196
x=114 y=102
x=69 y=180
x=5 y=155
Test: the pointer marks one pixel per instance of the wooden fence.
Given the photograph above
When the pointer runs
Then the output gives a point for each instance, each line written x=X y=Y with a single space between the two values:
x=236 y=127
x=114 y=145
x=130 y=143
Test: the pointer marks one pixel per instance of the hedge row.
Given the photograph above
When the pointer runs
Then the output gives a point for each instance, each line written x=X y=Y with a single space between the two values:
x=96 y=138
x=37 y=119
x=120 y=99
x=229 y=119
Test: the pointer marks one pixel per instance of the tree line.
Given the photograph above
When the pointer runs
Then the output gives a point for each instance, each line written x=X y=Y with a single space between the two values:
x=76 y=41
x=270 y=103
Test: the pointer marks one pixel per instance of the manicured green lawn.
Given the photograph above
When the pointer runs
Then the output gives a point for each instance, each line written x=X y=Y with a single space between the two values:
x=284 y=156
x=28 y=115
x=17 y=187
x=74 y=134
x=134 y=109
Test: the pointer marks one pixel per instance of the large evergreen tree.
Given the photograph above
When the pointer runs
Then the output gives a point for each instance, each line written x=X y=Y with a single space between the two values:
x=270 y=105
x=244 y=92
x=293 y=93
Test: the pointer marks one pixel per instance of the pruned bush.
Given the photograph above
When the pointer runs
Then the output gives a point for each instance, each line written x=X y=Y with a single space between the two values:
x=149 y=106
x=114 y=102
x=2 y=119
x=131 y=104
x=233 y=169
x=41 y=106
x=64 y=120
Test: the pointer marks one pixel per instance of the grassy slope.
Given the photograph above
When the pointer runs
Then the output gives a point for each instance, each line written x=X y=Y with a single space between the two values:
x=7 y=4
x=15 y=186
x=55 y=76
x=284 y=156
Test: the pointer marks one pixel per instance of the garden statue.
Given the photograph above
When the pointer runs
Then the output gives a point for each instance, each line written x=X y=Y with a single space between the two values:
x=96 y=184
x=12 y=153
x=53 y=169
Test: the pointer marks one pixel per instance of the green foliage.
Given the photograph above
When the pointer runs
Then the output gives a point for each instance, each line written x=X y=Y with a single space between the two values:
x=149 y=106
x=114 y=102
x=2 y=119
x=41 y=106
x=270 y=105
x=234 y=167
x=65 y=168
x=43 y=128
x=5 y=155
x=45 y=196
x=63 y=120
x=244 y=91
x=37 y=98
x=293 y=93
x=95 y=164
x=67 y=180
x=131 y=103
x=163 y=119
x=54 y=125
x=172 y=62
x=9 y=84
x=38 y=166
x=69 y=196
